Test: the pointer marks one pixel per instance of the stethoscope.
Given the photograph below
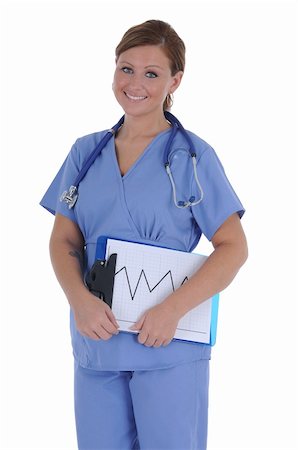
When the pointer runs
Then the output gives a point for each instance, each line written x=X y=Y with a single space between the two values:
x=70 y=196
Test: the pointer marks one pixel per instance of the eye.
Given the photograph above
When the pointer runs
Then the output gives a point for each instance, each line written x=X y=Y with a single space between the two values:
x=151 y=75
x=126 y=70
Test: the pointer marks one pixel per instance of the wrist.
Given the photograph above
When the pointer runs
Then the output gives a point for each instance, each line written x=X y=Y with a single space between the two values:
x=175 y=306
x=76 y=297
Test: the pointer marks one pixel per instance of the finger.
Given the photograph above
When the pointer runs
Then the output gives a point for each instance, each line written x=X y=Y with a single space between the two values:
x=150 y=341
x=96 y=336
x=103 y=334
x=139 y=324
x=112 y=318
x=167 y=342
x=92 y=335
x=157 y=344
x=142 y=337
x=109 y=326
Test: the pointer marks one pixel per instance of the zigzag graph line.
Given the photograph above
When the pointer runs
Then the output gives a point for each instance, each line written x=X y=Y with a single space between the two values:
x=133 y=294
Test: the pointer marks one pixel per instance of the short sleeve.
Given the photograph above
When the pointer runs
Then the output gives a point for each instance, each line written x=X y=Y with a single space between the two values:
x=62 y=181
x=219 y=201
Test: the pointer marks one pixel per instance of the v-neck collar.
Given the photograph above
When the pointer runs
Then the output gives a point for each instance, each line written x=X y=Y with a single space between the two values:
x=139 y=159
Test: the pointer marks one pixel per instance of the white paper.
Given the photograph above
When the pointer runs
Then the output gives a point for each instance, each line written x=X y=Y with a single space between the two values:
x=145 y=275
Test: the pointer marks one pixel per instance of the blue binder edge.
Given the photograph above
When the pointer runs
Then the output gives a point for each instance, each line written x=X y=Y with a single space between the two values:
x=100 y=254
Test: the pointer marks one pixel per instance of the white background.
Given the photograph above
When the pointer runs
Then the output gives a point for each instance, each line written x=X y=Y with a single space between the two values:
x=238 y=94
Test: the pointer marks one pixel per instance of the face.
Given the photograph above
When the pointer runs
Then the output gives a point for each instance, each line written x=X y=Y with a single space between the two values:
x=143 y=79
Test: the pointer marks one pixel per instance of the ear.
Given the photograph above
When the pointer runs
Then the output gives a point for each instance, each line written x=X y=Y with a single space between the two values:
x=176 y=80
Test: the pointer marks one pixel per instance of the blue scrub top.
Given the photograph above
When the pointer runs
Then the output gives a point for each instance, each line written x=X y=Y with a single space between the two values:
x=139 y=207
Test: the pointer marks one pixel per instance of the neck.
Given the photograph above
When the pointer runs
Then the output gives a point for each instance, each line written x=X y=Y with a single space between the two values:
x=143 y=126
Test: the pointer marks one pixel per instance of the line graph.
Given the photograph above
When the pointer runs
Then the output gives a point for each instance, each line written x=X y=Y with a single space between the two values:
x=146 y=275
x=150 y=289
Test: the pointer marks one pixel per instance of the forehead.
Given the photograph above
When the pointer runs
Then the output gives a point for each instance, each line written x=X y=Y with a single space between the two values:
x=145 y=55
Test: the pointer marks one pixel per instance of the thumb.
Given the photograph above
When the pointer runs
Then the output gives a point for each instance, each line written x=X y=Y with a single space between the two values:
x=138 y=325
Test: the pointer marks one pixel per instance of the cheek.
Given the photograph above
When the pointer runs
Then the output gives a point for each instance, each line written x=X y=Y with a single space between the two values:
x=115 y=84
x=119 y=81
x=159 y=90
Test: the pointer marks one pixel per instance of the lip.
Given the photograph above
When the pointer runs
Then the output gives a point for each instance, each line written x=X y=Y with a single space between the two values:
x=135 y=98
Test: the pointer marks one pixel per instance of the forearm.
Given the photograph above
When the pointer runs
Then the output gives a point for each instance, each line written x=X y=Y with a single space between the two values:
x=215 y=275
x=67 y=262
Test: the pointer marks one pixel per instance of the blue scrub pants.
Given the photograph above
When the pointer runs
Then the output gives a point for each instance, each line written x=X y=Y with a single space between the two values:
x=143 y=409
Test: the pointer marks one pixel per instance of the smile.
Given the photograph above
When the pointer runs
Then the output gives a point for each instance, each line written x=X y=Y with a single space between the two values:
x=134 y=98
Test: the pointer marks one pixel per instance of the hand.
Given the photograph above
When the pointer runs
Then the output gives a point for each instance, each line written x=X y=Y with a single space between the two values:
x=157 y=326
x=94 y=318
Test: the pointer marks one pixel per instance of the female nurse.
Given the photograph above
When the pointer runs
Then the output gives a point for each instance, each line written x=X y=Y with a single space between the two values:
x=142 y=390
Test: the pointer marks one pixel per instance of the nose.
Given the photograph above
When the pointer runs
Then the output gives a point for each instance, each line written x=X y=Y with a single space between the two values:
x=136 y=83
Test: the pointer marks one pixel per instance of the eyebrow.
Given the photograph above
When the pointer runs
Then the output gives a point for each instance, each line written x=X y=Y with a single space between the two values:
x=146 y=67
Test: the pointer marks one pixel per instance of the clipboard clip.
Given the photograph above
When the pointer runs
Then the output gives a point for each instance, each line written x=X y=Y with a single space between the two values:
x=100 y=279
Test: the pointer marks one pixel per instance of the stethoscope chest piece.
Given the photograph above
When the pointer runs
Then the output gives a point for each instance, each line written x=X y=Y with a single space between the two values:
x=70 y=197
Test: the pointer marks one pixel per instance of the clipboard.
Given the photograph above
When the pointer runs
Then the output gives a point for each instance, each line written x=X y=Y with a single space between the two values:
x=101 y=279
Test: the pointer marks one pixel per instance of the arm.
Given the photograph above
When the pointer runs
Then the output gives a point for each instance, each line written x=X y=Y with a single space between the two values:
x=158 y=325
x=93 y=317
x=230 y=253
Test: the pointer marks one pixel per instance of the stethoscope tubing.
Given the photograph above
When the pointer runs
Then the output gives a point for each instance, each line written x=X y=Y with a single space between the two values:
x=71 y=195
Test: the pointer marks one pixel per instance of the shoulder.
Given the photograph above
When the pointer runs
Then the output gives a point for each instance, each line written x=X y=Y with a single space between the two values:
x=89 y=140
x=200 y=143
x=84 y=145
x=201 y=146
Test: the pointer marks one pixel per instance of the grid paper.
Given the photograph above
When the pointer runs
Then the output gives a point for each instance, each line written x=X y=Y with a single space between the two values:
x=145 y=275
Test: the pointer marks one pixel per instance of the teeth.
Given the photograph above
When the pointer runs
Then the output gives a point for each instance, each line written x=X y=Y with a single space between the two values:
x=134 y=98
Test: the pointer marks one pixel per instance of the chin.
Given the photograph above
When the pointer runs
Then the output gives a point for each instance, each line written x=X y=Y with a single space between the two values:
x=135 y=111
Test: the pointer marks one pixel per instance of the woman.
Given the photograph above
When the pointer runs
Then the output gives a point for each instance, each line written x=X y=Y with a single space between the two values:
x=143 y=390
